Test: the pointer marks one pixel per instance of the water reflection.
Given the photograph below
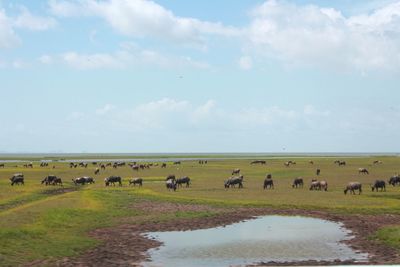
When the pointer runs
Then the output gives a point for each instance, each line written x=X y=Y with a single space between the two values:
x=268 y=238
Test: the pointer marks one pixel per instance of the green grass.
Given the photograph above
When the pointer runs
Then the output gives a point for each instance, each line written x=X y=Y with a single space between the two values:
x=389 y=235
x=39 y=222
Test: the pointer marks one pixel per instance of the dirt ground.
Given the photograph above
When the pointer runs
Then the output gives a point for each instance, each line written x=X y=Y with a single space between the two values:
x=124 y=245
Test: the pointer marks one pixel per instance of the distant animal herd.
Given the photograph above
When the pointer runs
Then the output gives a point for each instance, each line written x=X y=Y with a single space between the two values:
x=172 y=183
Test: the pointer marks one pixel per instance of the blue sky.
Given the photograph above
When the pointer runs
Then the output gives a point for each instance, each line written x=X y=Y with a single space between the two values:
x=199 y=76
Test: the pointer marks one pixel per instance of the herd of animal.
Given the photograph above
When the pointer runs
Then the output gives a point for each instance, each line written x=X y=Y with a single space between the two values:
x=237 y=179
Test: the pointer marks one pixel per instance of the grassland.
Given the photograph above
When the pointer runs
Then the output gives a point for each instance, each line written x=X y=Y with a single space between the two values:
x=39 y=222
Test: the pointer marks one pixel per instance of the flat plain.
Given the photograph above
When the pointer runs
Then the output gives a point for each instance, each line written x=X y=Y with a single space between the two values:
x=44 y=225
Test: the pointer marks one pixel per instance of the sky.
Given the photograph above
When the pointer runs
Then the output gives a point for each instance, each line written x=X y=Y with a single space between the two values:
x=136 y=76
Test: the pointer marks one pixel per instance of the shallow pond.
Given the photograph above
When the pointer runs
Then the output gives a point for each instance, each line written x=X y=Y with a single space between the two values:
x=264 y=239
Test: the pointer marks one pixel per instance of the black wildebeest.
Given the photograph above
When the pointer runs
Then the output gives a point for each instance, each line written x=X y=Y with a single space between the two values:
x=96 y=171
x=268 y=183
x=136 y=181
x=363 y=171
x=2 y=165
x=394 y=180
x=311 y=162
x=57 y=181
x=233 y=181
x=164 y=165
x=298 y=182
x=318 y=172
x=170 y=177
x=17 y=179
x=262 y=162
x=177 y=163
x=135 y=167
x=183 y=180
x=83 y=180
x=236 y=171
x=44 y=164
x=288 y=163
x=319 y=185
x=352 y=186
x=49 y=180
x=89 y=180
x=79 y=180
x=112 y=180
x=340 y=162
x=378 y=184
x=170 y=184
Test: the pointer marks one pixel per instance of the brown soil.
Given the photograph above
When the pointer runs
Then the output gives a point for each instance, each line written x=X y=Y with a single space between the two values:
x=125 y=245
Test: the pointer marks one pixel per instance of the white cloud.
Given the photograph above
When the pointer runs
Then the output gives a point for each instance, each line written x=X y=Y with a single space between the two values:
x=76 y=116
x=245 y=63
x=142 y=18
x=19 y=64
x=26 y=20
x=46 y=59
x=310 y=35
x=91 y=61
x=174 y=115
x=8 y=38
x=105 y=110
x=128 y=56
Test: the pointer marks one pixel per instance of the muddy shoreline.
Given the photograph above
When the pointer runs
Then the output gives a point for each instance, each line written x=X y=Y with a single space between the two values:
x=125 y=245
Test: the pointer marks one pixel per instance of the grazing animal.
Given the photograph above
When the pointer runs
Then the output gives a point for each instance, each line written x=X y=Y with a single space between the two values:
x=136 y=181
x=112 y=180
x=288 y=163
x=170 y=177
x=394 y=180
x=79 y=180
x=311 y=162
x=170 y=184
x=89 y=180
x=102 y=166
x=298 y=182
x=352 y=187
x=363 y=171
x=377 y=162
x=177 y=163
x=315 y=185
x=135 y=168
x=340 y=162
x=233 y=181
x=236 y=171
x=49 y=180
x=183 y=180
x=268 y=183
x=57 y=181
x=378 y=184
x=323 y=185
x=226 y=183
x=2 y=165
x=164 y=165
x=17 y=179
x=319 y=185
x=262 y=162
x=96 y=171
x=318 y=172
